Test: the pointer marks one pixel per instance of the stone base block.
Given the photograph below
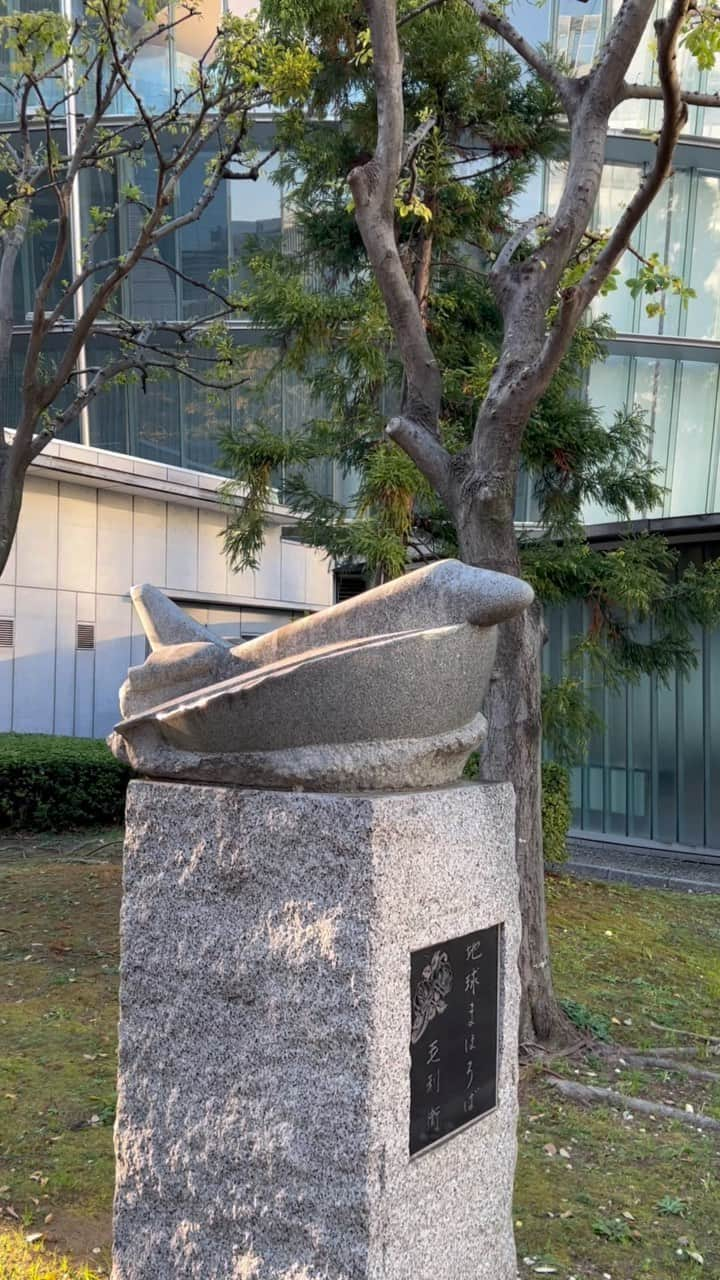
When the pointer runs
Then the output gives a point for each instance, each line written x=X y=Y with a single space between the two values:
x=264 y=1085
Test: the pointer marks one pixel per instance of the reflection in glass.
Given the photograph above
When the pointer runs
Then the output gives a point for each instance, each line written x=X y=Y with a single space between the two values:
x=300 y=407
x=108 y=412
x=704 y=310
x=531 y=20
x=635 y=114
x=203 y=243
x=150 y=72
x=665 y=233
x=712 y=711
x=37 y=251
x=653 y=394
x=696 y=418
x=255 y=211
x=98 y=188
x=155 y=417
x=579 y=26
x=150 y=290
x=665 y=797
x=691 y=809
x=52 y=88
x=608 y=392
x=205 y=414
x=640 y=752
x=619 y=184
x=193 y=38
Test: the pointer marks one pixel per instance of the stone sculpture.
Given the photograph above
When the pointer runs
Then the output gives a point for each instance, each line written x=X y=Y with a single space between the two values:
x=383 y=691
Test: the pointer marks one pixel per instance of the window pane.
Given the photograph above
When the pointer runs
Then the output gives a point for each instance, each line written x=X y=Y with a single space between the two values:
x=193 y=36
x=635 y=114
x=155 y=415
x=556 y=175
x=691 y=810
x=665 y=823
x=696 y=418
x=255 y=211
x=150 y=290
x=704 y=310
x=666 y=229
x=204 y=243
x=52 y=88
x=607 y=391
x=10 y=388
x=531 y=20
x=205 y=414
x=712 y=711
x=150 y=74
x=578 y=33
x=108 y=412
x=38 y=250
x=299 y=409
x=99 y=188
x=619 y=184
x=654 y=396
x=710 y=117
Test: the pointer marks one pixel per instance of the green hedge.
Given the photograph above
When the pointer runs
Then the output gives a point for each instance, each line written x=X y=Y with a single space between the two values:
x=556 y=811
x=52 y=784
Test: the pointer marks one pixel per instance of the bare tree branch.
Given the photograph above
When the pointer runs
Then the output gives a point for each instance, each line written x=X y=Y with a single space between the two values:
x=530 y=55
x=516 y=239
x=425 y=450
x=623 y=39
x=415 y=139
x=654 y=93
x=373 y=186
x=674 y=119
x=415 y=13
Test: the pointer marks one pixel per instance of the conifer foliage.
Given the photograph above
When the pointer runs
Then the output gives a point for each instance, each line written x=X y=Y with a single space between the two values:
x=478 y=122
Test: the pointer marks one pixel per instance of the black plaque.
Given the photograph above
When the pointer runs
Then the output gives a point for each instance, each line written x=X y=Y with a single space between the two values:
x=454 y=1039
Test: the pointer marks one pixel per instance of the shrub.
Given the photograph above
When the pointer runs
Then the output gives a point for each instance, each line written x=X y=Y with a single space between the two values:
x=556 y=811
x=51 y=784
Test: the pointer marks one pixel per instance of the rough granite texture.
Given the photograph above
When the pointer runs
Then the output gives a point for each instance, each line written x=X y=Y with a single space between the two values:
x=263 y=1114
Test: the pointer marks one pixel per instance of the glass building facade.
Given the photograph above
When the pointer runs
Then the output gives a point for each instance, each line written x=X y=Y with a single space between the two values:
x=170 y=420
x=652 y=773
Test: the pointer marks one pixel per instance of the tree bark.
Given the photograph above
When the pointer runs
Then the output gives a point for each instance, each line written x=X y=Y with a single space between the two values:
x=11 y=494
x=513 y=753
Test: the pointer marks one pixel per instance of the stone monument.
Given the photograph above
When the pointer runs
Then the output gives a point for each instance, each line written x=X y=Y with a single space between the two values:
x=320 y=930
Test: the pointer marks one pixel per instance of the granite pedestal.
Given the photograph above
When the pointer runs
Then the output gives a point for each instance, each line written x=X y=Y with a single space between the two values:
x=266 y=1020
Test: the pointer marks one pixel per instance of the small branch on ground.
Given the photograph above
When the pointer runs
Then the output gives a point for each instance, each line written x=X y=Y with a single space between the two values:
x=677 y=1031
x=594 y=1094
x=655 y=1062
x=685 y=1051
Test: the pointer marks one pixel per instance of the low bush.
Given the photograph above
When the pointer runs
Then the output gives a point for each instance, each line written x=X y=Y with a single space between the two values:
x=52 y=784
x=556 y=811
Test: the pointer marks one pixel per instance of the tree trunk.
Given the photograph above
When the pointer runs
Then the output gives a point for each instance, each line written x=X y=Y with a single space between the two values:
x=11 y=494
x=513 y=753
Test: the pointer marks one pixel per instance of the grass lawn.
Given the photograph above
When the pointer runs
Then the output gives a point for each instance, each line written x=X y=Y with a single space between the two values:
x=598 y=1194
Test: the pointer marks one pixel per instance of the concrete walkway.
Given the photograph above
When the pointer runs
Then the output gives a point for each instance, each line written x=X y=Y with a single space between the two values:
x=622 y=864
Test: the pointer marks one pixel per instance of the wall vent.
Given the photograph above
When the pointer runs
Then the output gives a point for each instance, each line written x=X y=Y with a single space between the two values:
x=7 y=633
x=349 y=585
x=86 y=635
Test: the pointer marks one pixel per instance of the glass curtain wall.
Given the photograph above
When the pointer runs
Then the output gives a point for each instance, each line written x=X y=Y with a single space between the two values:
x=651 y=771
x=680 y=401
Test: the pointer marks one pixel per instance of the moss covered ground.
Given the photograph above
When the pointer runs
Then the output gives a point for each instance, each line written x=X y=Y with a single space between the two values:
x=598 y=1194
